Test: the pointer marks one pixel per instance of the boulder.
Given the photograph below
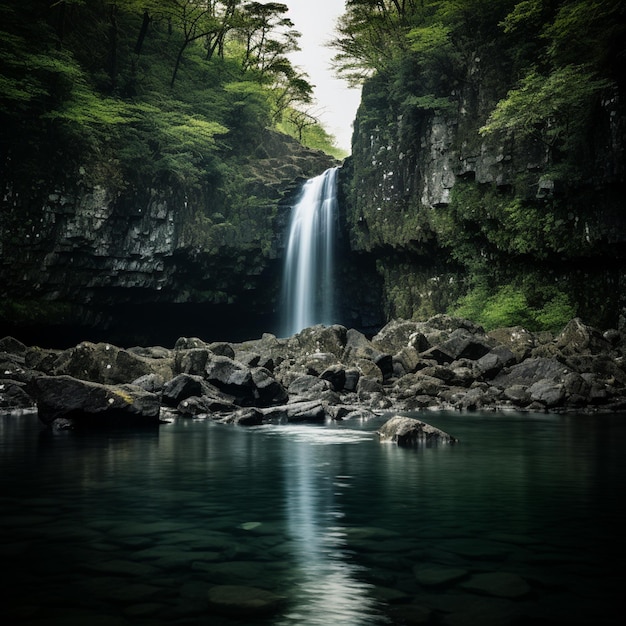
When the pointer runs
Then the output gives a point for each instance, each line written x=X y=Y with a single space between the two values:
x=400 y=334
x=41 y=359
x=308 y=386
x=547 y=392
x=187 y=343
x=192 y=361
x=85 y=404
x=12 y=346
x=517 y=339
x=244 y=417
x=335 y=375
x=14 y=395
x=108 y=364
x=578 y=338
x=316 y=339
x=531 y=371
x=359 y=348
x=221 y=348
x=185 y=386
x=439 y=328
x=150 y=382
x=407 y=431
x=491 y=364
x=267 y=390
x=312 y=411
x=406 y=361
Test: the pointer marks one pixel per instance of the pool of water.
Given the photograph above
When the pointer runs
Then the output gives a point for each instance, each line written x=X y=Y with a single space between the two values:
x=522 y=522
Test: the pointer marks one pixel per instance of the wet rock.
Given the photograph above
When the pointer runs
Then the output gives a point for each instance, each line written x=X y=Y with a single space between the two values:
x=309 y=386
x=549 y=393
x=518 y=395
x=92 y=405
x=150 y=382
x=222 y=348
x=204 y=405
x=517 y=339
x=399 y=334
x=407 y=431
x=188 y=343
x=319 y=339
x=531 y=371
x=336 y=376
x=192 y=361
x=108 y=364
x=185 y=386
x=464 y=344
x=267 y=390
x=579 y=338
x=12 y=346
x=14 y=395
x=41 y=359
x=245 y=417
x=312 y=411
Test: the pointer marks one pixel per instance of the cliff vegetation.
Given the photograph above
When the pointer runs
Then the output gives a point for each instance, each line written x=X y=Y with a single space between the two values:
x=145 y=150
x=487 y=174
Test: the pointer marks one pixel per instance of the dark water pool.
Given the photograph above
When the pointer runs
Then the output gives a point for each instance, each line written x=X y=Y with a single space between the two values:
x=200 y=523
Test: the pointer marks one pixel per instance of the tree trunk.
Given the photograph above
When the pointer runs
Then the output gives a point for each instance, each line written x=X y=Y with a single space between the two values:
x=142 y=32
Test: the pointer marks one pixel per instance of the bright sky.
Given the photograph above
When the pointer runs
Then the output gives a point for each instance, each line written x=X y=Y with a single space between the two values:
x=336 y=103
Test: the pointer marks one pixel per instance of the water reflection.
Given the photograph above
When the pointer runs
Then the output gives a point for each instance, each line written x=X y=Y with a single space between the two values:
x=328 y=589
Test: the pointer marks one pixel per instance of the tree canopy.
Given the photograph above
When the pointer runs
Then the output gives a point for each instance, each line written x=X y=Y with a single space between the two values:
x=150 y=86
x=562 y=55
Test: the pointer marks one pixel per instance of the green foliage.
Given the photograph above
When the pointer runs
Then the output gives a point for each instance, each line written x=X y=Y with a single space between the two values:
x=306 y=128
x=162 y=88
x=483 y=222
x=514 y=304
x=552 y=108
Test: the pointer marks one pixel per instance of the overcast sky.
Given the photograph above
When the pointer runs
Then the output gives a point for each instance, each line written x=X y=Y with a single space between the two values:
x=336 y=103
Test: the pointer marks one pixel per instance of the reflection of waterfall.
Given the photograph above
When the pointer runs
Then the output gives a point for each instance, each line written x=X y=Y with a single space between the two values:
x=308 y=277
x=326 y=588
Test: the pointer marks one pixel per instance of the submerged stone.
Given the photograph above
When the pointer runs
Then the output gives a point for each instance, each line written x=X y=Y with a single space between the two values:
x=243 y=601
x=501 y=584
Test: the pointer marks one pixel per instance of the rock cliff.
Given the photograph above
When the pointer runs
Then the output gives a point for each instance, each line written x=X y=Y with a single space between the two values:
x=443 y=209
x=134 y=262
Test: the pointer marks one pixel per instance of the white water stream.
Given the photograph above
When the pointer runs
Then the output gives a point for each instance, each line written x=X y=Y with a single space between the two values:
x=309 y=262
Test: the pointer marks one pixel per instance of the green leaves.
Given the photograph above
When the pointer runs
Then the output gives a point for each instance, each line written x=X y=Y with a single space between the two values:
x=550 y=108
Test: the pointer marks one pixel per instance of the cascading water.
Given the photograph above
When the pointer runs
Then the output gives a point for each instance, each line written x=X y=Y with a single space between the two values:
x=309 y=263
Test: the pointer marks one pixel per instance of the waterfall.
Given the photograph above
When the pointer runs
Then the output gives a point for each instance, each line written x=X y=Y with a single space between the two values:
x=309 y=264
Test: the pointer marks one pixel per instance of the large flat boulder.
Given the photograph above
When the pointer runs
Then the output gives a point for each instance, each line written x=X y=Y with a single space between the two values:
x=82 y=404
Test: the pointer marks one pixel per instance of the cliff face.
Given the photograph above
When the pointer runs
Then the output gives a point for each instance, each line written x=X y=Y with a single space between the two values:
x=149 y=262
x=442 y=209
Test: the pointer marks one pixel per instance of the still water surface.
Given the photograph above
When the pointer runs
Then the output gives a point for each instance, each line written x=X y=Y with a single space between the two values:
x=522 y=522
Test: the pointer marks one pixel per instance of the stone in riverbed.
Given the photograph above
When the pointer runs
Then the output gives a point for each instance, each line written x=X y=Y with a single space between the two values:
x=244 y=601
x=500 y=584
x=438 y=575
x=407 y=431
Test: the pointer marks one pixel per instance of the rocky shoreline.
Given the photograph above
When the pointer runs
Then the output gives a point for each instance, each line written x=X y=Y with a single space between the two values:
x=321 y=373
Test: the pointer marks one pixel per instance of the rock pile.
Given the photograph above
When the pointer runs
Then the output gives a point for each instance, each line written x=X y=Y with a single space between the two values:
x=320 y=373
